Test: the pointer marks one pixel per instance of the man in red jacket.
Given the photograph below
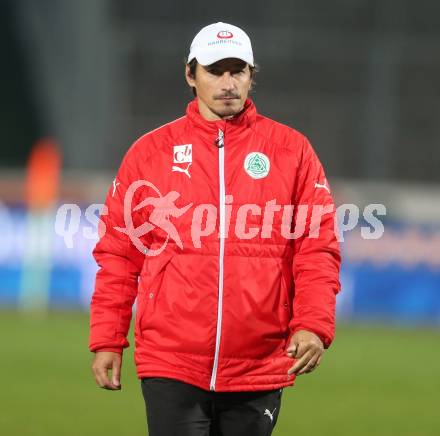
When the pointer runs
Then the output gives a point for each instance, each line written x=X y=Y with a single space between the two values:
x=222 y=225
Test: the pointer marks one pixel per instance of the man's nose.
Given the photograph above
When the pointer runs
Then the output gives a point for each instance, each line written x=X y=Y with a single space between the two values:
x=227 y=80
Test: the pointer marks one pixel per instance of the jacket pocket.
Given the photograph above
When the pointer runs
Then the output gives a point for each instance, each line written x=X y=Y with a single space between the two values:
x=150 y=286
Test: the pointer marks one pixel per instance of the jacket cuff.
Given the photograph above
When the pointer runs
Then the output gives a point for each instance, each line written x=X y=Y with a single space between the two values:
x=111 y=349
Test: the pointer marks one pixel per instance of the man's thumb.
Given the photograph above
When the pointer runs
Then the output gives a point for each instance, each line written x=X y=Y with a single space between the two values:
x=292 y=349
x=116 y=373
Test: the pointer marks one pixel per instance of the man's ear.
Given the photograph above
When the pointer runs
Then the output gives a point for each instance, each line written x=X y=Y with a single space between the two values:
x=251 y=84
x=189 y=79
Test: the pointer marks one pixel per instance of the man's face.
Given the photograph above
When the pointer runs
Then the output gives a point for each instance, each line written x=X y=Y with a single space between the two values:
x=222 y=87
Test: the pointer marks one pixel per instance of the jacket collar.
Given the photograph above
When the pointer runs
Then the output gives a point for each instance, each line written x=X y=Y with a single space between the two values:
x=235 y=125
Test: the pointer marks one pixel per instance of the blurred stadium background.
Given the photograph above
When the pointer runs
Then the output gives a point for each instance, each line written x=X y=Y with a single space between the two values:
x=81 y=80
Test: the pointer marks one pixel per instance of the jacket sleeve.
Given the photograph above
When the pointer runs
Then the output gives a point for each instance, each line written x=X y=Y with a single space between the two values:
x=120 y=263
x=316 y=256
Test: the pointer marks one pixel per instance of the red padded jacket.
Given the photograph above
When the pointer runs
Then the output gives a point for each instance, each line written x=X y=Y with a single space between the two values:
x=195 y=229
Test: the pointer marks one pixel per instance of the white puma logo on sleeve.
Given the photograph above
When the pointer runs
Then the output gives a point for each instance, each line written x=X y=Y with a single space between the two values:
x=324 y=185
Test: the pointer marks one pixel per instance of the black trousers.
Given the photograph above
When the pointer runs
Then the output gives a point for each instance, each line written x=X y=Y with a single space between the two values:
x=175 y=408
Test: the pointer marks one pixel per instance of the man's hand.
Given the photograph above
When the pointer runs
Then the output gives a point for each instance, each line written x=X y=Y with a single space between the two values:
x=307 y=349
x=103 y=361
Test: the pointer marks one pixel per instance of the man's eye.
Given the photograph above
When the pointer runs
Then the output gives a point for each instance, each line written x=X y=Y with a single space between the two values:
x=218 y=72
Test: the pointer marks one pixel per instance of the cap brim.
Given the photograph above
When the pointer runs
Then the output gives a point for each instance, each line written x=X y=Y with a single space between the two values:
x=208 y=58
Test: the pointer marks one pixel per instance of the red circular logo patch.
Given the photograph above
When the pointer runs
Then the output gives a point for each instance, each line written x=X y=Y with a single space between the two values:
x=224 y=34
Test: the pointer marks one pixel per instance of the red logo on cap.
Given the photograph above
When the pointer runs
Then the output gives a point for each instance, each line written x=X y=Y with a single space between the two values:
x=224 y=34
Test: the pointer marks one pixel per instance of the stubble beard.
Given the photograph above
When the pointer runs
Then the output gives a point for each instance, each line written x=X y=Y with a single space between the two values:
x=229 y=108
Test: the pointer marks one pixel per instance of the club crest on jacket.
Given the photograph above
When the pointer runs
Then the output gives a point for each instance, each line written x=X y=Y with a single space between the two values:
x=257 y=165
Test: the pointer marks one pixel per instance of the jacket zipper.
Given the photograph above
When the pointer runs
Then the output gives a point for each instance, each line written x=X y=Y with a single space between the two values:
x=222 y=201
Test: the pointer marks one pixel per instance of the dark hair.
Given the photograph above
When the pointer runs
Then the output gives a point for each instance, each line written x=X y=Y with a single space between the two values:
x=193 y=66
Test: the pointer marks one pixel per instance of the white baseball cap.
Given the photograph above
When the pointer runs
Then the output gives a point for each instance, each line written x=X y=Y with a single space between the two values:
x=220 y=41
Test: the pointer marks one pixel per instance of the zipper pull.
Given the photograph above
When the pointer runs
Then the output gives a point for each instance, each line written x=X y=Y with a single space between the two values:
x=219 y=142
